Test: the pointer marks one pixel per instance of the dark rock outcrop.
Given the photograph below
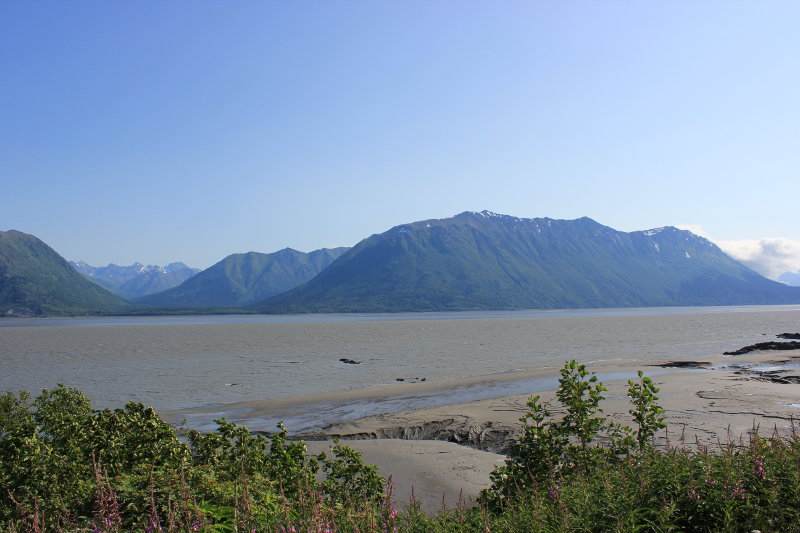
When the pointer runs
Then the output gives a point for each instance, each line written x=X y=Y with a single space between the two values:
x=762 y=346
x=685 y=364
x=482 y=436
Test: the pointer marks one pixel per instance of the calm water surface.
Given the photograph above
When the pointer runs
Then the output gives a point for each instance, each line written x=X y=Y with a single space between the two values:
x=183 y=362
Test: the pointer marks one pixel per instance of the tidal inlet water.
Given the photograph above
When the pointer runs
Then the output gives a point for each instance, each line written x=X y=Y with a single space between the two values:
x=182 y=363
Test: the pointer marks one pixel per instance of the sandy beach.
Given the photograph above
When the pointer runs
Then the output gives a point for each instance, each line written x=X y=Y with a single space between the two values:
x=449 y=437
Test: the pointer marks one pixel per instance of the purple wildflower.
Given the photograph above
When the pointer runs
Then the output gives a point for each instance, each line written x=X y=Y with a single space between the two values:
x=758 y=468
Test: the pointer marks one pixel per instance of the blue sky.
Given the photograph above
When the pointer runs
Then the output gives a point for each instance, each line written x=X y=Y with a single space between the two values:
x=188 y=130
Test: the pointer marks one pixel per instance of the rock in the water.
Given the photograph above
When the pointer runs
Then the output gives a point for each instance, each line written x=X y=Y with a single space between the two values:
x=771 y=345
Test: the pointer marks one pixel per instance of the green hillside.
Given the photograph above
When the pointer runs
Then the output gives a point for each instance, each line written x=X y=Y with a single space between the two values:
x=241 y=279
x=35 y=280
x=489 y=261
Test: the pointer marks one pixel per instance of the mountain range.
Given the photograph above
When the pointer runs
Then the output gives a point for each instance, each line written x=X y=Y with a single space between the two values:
x=474 y=260
x=242 y=279
x=35 y=281
x=490 y=261
x=137 y=279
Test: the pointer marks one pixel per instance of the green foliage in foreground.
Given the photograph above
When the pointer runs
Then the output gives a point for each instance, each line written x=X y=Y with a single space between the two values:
x=67 y=467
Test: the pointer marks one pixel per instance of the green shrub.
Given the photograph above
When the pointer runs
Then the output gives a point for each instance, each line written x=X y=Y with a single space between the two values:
x=646 y=413
x=64 y=465
x=550 y=449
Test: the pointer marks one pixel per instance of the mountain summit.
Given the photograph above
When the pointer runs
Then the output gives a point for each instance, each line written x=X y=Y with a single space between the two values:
x=137 y=279
x=484 y=260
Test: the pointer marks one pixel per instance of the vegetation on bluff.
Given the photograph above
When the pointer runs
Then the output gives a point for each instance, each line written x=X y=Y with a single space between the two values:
x=67 y=467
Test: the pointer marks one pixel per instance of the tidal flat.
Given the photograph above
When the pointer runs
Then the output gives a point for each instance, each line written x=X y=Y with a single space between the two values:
x=412 y=380
x=211 y=362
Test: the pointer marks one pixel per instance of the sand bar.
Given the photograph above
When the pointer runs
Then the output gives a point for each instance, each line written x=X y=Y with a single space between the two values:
x=315 y=412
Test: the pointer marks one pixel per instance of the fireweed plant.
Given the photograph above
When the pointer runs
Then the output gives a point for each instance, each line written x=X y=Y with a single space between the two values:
x=67 y=467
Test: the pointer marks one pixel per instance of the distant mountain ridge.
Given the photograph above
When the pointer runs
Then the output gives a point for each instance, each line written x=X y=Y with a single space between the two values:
x=490 y=261
x=137 y=279
x=35 y=280
x=474 y=260
x=241 y=279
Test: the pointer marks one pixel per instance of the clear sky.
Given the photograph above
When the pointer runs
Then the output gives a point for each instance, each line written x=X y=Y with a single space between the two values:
x=160 y=131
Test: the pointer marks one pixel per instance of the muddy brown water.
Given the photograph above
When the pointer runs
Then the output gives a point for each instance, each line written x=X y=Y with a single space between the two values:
x=177 y=363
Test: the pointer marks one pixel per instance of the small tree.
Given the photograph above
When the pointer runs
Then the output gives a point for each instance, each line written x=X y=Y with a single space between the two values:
x=645 y=412
x=580 y=392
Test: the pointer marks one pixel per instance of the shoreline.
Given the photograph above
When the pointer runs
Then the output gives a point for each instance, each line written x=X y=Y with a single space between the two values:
x=314 y=412
x=144 y=315
x=443 y=443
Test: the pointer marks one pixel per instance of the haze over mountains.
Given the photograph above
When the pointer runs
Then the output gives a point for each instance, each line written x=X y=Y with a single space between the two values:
x=137 y=279
x=469 y=261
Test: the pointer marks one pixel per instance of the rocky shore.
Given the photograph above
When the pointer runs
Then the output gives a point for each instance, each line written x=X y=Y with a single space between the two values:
x=766 y=346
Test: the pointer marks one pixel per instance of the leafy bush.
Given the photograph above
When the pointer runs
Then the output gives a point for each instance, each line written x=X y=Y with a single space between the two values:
x=64 y=465
x=49 y=446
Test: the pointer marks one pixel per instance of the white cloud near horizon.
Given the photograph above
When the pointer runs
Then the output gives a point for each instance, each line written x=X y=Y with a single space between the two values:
x=769 y=256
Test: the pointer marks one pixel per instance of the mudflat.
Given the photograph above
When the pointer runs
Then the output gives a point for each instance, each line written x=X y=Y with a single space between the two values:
x=445 y=453
x=173 y=363
x=395 y=385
